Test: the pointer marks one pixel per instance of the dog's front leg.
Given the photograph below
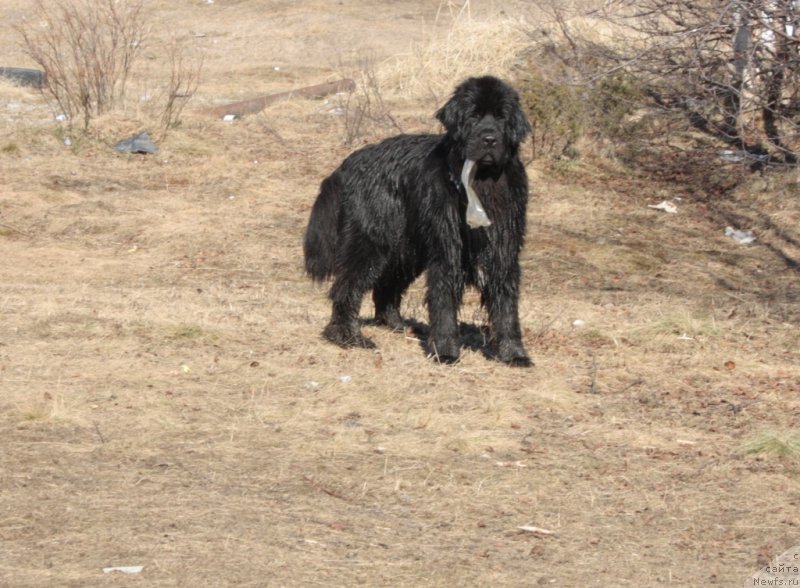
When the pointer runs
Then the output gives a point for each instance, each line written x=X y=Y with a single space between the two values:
x=500 y=296
x=445 y=290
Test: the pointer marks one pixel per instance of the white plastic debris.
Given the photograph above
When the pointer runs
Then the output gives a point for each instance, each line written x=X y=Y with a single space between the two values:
x=741 y=237
x=536 y=530
x=345 y=379
x=578 y=323
x=67 y=141
x=229 y=117
x=730 y=156
x=510 y=464
x=664 y=205
x=476 y=216
x=124 y=569
x=61 y=117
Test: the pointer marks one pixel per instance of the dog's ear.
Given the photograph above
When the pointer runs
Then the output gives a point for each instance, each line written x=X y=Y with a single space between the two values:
x=518 y=125
x=451 y=116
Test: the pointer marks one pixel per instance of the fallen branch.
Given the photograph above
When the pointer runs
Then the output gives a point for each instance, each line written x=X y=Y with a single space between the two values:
x=258 y=104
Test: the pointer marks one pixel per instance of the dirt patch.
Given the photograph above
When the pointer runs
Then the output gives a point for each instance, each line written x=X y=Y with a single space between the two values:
x=166 y=399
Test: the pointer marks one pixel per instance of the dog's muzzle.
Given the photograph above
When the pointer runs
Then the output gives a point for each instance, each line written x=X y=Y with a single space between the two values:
x=485 y=144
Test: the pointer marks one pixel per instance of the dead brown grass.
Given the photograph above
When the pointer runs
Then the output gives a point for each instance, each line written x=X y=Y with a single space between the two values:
x=165 y=399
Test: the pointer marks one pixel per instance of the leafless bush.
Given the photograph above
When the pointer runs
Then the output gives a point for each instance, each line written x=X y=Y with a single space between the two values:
x=364 y=110
x=87 y=49
x=184 y=78
x=731 y=67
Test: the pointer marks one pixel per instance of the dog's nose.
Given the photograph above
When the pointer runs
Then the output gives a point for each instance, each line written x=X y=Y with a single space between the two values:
x=490 y=140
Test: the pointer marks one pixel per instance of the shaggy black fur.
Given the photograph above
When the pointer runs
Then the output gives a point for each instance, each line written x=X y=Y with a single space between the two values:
x=397 y=208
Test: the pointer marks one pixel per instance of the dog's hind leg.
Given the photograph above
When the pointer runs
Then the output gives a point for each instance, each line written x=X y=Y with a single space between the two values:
x=358 y=268
x=387 y=307
x=343 y=328
x=387 y=295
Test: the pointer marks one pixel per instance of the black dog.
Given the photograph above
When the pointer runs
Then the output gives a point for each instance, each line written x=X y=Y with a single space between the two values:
x=397 y=208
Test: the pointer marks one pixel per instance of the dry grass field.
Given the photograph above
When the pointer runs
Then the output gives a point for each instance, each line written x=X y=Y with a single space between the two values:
x=166 y=400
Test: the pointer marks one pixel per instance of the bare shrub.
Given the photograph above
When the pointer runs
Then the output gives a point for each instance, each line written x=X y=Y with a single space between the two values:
x=87 y=49
x=731 y=68
x=563 y=107
x=364 y=111
x=184 y=79
x=557 y=112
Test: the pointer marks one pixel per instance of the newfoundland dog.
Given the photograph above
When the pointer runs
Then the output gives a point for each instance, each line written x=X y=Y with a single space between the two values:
x=451 y=204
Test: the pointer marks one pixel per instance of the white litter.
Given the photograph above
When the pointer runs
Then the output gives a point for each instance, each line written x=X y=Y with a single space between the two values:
x=124 y=569
x=741 y=237
x=345 y=379
x=229 y=117
x=730 y=156
x=537 y=530
x=578 y=323
x=510 y=464
x=664 y=205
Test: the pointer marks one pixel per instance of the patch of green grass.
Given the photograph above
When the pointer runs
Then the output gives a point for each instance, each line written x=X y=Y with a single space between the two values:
x=783 y=444
x=596 y=338
x=34 y=413
x=191 y=333
x=684 y=323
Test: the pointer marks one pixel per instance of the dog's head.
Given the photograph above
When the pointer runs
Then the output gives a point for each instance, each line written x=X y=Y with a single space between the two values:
x=485 y=120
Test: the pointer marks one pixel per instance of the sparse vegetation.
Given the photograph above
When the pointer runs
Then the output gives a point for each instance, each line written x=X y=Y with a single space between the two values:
x=786 y=444
x=364 y=112
x=166 y=401
x=89 y=51
x=558 y=111
x=728 y=70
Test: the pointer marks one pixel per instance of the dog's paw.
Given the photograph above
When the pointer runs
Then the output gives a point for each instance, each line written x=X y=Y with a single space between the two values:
x=513 y=353
x=345 y=336
x=445 y=350
x=390 y=319
x=522 y=361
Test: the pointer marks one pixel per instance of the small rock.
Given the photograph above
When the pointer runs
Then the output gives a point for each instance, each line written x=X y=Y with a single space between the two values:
x=141 y=143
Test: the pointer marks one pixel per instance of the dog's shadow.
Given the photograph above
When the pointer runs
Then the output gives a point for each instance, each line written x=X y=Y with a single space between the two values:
x=473 y=337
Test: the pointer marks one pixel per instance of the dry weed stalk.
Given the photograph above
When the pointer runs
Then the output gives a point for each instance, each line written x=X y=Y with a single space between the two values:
x=365 y=109
x=183 y=82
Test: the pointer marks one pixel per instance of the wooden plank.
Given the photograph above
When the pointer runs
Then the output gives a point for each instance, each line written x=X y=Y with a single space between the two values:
x=254 y=105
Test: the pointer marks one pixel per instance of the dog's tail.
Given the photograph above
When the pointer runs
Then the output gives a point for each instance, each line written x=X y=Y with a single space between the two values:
x=322 y=232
